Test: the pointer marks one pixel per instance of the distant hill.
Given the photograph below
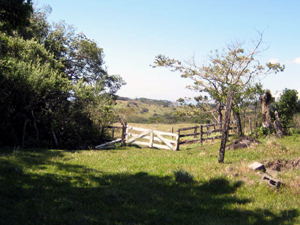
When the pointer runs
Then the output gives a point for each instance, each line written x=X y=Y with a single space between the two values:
x=144 y=110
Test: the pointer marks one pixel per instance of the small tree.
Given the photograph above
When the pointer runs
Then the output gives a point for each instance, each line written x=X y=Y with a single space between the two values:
x=233 y=69
x=287 y=107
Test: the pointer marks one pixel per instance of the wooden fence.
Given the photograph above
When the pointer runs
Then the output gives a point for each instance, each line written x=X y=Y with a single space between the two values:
x=159 y=139
x=198 y=133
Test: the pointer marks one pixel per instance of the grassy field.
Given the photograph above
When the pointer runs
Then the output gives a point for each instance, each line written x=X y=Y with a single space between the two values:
x=138 y=185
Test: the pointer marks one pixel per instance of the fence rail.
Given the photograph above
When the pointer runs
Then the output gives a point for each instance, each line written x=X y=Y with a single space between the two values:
x=159 y=139
x=201 y=133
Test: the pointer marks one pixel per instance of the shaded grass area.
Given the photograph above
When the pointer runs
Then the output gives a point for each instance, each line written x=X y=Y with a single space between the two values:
x=138 y=186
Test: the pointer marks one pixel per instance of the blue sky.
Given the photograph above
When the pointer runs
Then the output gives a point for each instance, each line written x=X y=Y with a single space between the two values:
x=133 y=32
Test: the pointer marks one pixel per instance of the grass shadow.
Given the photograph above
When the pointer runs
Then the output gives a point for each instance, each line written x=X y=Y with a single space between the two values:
x=81 y=195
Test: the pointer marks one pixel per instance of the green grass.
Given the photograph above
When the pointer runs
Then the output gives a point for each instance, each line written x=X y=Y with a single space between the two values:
x=138 y=186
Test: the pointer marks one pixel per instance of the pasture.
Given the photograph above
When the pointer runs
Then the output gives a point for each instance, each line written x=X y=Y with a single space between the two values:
x=135 y=185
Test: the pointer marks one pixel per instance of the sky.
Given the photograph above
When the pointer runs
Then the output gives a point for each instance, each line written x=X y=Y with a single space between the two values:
x=133 y=32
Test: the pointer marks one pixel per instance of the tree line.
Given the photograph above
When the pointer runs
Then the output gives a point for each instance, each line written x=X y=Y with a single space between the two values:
x=54 y=88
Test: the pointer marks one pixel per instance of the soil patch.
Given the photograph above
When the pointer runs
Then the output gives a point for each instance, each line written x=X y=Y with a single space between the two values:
x=280 y=165
x=242 y=142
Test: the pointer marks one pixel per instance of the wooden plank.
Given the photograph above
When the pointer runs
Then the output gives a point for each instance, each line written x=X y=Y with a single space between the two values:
x=211 y=125
x=165 y=133
x=141 y=143
x=188 y=128
x=138 y=136
x=212 y=138
x=139 y=129
x=154 y=138
x=162 y=146
x=163 y=139
x=111 y=142
x=213 y=131
x=187 y=135
x=154 y=145
x=189 y=141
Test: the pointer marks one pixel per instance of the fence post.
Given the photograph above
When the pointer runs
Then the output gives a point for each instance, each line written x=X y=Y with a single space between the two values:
x=208 y=129
x=178 y=139
x=201 y=134
x=124 y=127
x=151 y=139
x=195 y=131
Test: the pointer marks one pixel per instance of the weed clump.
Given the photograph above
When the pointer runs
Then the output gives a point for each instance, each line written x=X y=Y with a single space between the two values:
x=182 y=176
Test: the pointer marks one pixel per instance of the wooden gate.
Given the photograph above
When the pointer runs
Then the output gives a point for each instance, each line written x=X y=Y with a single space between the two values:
x=155 y=139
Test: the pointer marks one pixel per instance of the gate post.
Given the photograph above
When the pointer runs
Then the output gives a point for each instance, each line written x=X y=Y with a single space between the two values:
x=124 y=128
x=151 y=139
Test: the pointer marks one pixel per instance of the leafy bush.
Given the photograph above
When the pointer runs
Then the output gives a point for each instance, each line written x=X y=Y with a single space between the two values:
x=144 y=110
x=287 y=107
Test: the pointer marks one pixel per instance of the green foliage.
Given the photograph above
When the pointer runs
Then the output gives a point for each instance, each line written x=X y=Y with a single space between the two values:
x=54 y=89
x=287 y=107
x=14 y=14
x=31 y=82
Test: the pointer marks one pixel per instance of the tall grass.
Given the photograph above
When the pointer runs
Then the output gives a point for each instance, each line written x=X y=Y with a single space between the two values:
x=138 y=186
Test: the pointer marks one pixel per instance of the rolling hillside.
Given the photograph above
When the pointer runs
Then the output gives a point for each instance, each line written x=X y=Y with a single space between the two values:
x=144 y=110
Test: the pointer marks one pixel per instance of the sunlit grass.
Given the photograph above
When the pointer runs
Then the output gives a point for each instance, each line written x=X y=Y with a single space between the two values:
x=138 y=186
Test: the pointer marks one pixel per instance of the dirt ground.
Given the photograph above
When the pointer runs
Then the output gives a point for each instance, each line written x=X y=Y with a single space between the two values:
x=242 y=142
x=280 y=165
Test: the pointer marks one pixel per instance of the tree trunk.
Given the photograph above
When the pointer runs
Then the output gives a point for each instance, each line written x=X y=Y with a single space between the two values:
x=255 y=115
x=250 y=124
x=54 y=137
x=220 y=116
x=24 y=132
x=226 y=126
x=266 y=100
x=277 y=125
x=237 y=116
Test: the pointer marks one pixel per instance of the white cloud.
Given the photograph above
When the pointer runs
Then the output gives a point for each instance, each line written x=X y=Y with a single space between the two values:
x=273 y=60
x=297 y=60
